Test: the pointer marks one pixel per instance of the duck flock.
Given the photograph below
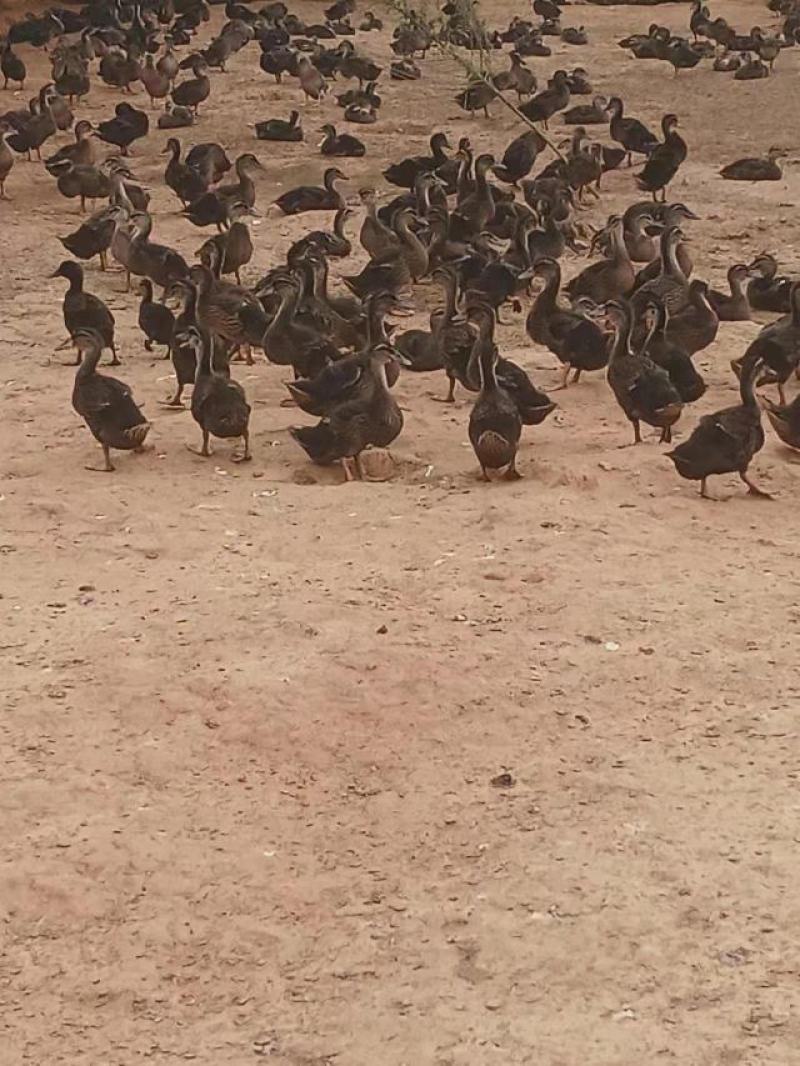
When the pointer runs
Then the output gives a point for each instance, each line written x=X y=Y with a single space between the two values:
x=490 y=233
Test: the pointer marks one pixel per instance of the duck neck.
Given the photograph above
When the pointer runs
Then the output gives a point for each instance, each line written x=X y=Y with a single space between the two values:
x=546 y=300
x=376 y=329
x=484 y=355
x=621 y=348
x=751 y=366
x=795 y=304
x=91 y=357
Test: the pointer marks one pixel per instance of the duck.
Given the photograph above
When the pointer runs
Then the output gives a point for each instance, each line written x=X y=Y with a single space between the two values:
x=82 y=151
x=733 y=306
x=574 y=35
x=120 y=68
x=609 y=278
x=105 y=404
x=219 y=404
x=574 y=339
x=279 y=129
x=6 y=159
x=168 y=63
x=777 y=346
x=670 y=282
x=77 y=180
x=681 y=55
x=156 y=82
x=174 y=117
x=156 y=320
x=183 y=356
x=784 y=419
x=93 y=237
x=419 y=350
x=750 y=69
x=334 y=244
x=149 y=259
x=642 y=389
x=340 y=144
x=11 y=66
x=726 y=441
x=495 y=426
x=476 y=97
x=228 y=312
x=695 y=326
x=352 y=65
x=592 y=114
x=370 y=22
x=85 y=311
x=726 y=63
x=247 y=167
x=545 y=104
x=664 y=160
x=312 y=82
x=670 y=356
x=39 y=126
x=128 y=125
x=406 y=172
x=404 y=70
x=520 y=156
x=186 y=181
x=368 y=416
x=768 y=290
x=632 y=134
x=314 y=198
x=754 y=168
x=210 y=160
x=518 y=78
x=231 y=250
x=579 y=83
x=192 y=92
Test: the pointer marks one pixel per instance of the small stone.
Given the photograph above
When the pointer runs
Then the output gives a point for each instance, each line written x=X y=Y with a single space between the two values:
x=504 y=780
x=382 y=629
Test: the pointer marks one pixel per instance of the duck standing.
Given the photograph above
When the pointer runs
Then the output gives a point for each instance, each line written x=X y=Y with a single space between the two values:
x=104 y=403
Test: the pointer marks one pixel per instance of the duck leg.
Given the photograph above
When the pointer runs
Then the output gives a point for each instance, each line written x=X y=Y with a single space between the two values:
x=109 y=466
x=245 y=457
x=563 y=381
x=512 y=474
x=666 y=435
x=348 y=473
x=637 y=433
x=752 y=488
x=115 y=359
x=451 y=394
x=205 y=451
x=176 y=399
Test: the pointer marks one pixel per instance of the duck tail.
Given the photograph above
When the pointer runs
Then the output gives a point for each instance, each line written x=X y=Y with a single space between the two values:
x=137 y=434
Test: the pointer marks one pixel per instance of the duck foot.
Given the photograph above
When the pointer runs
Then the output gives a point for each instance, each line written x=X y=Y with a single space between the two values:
x=512 y=474
x=753 y=489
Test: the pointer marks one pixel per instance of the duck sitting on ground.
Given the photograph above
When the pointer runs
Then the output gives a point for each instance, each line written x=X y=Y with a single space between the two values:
x=279 y=129
x=314 y=198
x=768 y=290
x=754 y=168
x=733 y=307
x=340 y=144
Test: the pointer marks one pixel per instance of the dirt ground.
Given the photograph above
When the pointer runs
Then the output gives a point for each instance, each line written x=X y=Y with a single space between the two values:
x=252 y=716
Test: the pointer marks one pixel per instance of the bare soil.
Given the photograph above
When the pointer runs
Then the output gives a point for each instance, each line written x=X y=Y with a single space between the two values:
x=252 y=716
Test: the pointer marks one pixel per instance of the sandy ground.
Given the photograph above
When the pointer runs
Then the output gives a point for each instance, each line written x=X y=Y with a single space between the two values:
x=252 y=716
